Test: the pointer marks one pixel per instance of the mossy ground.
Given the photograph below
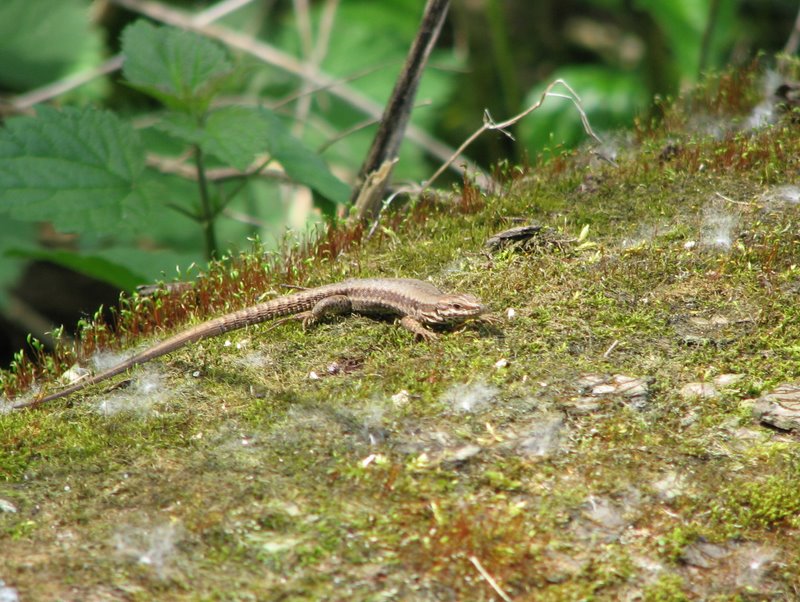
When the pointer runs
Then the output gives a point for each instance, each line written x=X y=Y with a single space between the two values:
x=246 y=479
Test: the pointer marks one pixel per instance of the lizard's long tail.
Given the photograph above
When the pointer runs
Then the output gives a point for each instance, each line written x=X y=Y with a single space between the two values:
x=258 y=313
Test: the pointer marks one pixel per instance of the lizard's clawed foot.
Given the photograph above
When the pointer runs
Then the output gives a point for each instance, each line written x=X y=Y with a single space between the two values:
x=492 y=319
x=307 y=318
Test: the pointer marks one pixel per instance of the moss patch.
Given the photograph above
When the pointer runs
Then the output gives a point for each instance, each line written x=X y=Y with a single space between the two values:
x=400 y=467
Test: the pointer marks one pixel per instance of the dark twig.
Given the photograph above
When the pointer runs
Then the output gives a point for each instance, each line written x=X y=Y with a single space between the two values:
x=386 y=145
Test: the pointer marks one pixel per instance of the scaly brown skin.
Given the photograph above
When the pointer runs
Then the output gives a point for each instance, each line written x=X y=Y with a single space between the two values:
x=415 y=303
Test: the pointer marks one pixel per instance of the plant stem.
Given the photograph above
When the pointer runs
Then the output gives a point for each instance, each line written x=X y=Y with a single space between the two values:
x=705 y=48
x=206 y=210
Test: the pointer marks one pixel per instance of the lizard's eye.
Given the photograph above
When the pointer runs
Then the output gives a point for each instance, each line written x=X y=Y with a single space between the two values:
x=458 y=306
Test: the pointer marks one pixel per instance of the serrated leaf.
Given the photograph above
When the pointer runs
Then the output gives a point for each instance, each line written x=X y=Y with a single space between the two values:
x=181 y=126
x=235 y=135
x=180 y=68
x=76 y=168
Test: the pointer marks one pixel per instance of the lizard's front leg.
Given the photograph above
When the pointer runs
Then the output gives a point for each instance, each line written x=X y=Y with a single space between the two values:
x=335 y=305
x=418 y=328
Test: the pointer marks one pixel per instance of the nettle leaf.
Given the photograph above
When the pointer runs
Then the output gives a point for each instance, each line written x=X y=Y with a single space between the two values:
x=76 y=168
x=179 y=68
x=181 y=126
x=235 y=135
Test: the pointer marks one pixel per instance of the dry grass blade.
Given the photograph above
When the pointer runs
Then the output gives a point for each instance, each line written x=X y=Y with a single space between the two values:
x=490 y=580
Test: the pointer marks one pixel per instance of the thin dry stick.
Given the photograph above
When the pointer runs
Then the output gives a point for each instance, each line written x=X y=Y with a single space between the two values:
x=730 y=200
x=489 y=578
x=303 y=18
x=23 y=102
x=357 y=127
x=53 y=90
x=611 y=348
x=489 y=124
x=276 y=104
x=219 y=10
x=286 y=62
x=178 y=167
x=314 y=53
x=793 y=42
x=385 y=148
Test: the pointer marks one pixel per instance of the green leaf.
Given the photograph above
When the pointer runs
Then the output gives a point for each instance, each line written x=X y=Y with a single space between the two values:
x=44 y=40
x=12 y=234
x=301 y=163
x=180 y=68
x=123 y=267
x=76 y=168
x=92 y=266
x=235 y=135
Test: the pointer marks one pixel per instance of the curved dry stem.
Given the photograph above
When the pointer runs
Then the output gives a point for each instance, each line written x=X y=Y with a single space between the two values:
x=490 y=124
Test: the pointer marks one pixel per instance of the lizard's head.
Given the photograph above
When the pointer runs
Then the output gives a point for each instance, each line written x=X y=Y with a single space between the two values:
x=454 y=309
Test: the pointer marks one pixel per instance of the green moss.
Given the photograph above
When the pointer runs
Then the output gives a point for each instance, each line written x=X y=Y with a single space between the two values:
x=768 y=502
x=668 y=588
x=350 y=485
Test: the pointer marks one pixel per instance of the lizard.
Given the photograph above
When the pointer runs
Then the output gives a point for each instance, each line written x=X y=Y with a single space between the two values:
x=416 y=303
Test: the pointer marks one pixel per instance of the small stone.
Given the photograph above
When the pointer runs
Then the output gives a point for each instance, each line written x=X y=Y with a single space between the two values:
x=604 y=389
x=401 y=398
x=462 y=454
x=631 y=386
x=6 y=506
x=587 y=381
x=780 y=408
x=699 y=391
x=723 y=381
x=584 y=405
x=635 y=391
x=603 y=513
x=670 y=486
x=704 y=555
